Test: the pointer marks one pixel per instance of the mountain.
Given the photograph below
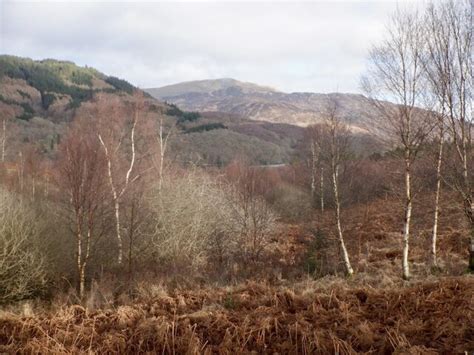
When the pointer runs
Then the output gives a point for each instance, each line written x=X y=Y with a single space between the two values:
x=40 y=98
x=265 y=104
x=208 y=87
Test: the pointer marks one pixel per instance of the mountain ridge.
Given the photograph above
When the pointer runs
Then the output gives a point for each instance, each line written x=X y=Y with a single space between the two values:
x=206 y=86
x=265 y=104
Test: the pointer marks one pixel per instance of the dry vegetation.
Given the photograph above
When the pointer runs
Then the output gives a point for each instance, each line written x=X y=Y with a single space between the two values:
x=429 y=318
x=373 y=311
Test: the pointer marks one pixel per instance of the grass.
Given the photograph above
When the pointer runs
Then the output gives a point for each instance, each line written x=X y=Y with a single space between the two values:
x=432 y=317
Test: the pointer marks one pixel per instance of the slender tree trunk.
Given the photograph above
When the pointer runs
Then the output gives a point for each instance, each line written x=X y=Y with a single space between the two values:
x=345 y=254
x=131 y=237
x=408 y=209
x=162 y=159
x=313 y=172
x=115 y=197
x=79 y=257
x=21 y=171
x=321 y=189
x=82 y=281
x=163 y=142
x=118 y=230
x=4 y=138
x=434 y=236
x=469 y=209
x=471 y=250
x=118 y=192
x=469 y=213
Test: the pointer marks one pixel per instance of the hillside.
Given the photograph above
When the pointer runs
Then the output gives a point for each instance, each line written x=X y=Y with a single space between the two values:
x=208 y=86
x=52 y=88
x=265 y=104
x=40 y=98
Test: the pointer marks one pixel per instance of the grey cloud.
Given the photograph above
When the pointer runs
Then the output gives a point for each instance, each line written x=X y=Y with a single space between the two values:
x=302 y=46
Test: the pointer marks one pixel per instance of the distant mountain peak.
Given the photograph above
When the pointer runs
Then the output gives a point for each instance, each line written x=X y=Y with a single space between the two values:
x=262 y=103
x=208 y=87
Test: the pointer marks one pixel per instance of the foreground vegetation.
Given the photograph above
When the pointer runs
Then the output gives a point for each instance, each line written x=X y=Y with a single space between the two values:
x=434 y=317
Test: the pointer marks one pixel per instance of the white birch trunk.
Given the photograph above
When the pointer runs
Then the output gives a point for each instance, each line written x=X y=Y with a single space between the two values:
x=313 y=172
x=4 y=138
x=115 y=194
x=162 y=157
x=321 y=189
x=345 y=254
x=80 y=269
x=406 y=226
x=434 y=236
x=163 y=142
x=118 y=230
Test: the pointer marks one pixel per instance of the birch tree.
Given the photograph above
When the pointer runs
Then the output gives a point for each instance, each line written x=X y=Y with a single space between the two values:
x=448 y=67
x=434 y=65
x=337 y=134
x=316 y=166
x=82 y=176
x=395 y=74
x=334 y=136
x=117 y=136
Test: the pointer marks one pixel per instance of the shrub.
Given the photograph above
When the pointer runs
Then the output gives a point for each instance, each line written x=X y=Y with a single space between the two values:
x=22 y=269
x=190 y=214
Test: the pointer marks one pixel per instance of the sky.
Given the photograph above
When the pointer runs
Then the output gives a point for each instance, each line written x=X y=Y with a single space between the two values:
x=317 y=46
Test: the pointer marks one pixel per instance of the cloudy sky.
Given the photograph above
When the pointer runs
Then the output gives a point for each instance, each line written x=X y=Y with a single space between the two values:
x=318 y=46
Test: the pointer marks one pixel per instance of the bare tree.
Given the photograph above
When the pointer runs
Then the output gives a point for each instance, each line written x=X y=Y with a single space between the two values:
x=251 y=214
x=448 y=67
x=82 y=176
x=190 y=214
x=439 y=162
x=316 y=166
x=7 y=113
x=115 y=130
x=395 y=74
x=334 y=135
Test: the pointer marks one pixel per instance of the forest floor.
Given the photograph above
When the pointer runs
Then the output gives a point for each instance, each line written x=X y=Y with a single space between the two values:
x=422 y=318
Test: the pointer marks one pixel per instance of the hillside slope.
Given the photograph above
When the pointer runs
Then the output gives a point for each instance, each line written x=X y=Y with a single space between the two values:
x=265 y=104
x=52 y=88
x=39 y=99
x=208 y=86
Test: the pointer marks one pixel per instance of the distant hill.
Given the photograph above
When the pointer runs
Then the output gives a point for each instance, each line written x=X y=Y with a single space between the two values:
x=265 y=104
x=52 y=88
x=41 y=99
x=226 y=85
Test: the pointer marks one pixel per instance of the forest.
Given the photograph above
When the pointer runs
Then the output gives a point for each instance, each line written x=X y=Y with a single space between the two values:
x=116 y=241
